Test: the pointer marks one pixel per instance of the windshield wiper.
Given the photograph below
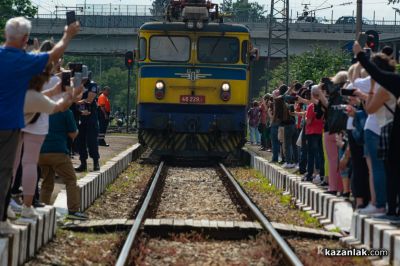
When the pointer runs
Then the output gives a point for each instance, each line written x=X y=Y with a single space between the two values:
x=216 y=43
x=173 y=44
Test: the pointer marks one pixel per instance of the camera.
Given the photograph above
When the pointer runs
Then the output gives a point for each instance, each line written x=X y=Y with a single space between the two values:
x=66 y=78
x=329 y=87
x=339 y=107
x=75 y=67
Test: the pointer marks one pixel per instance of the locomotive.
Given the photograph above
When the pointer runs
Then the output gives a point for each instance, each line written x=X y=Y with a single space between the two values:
x=192 y=82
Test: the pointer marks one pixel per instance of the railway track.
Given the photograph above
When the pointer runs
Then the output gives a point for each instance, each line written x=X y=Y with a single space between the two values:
x=248 y=219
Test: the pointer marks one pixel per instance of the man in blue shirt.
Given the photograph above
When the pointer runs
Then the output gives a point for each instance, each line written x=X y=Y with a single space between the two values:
x=54 y=159
x=16 y=70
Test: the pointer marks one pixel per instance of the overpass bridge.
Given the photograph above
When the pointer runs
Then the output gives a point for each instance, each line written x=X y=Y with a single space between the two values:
x=116 y=34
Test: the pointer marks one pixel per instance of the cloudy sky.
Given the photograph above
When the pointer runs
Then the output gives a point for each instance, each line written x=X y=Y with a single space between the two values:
x=383 y=11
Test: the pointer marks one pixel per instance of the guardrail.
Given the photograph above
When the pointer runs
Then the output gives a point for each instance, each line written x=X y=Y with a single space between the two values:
x=131 y=21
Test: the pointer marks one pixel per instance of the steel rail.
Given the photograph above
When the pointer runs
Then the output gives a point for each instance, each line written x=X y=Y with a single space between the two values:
x=124 y=255
x=288 y=253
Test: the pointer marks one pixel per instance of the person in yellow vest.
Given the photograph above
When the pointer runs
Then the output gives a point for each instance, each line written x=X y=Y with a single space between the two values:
x=104 y=115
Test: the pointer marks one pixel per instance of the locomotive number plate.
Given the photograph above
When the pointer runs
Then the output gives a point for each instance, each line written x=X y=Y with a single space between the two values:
x=193 y=99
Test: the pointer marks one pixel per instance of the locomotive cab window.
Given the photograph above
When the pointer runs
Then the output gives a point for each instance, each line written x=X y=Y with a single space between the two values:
x=218 y=50
x=142 y=49
x=245 y=52
x=170 y=48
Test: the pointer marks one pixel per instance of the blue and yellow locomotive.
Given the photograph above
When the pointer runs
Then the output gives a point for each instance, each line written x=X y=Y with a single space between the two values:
x=192 y=82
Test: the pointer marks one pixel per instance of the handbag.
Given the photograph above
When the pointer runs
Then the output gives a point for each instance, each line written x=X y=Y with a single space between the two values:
x=337 y=119
x=299 y=139
x=359 y=122
x=384 y=138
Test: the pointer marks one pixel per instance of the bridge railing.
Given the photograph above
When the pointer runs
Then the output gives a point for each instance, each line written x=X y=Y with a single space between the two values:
x=133 y=21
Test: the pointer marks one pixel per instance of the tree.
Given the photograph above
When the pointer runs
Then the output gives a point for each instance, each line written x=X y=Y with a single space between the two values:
x=15 y=8
x=315 y=64
x=243 y=10
x=158 y=7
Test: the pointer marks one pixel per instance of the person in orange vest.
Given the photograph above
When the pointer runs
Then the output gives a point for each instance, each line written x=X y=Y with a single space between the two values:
x=104 y=115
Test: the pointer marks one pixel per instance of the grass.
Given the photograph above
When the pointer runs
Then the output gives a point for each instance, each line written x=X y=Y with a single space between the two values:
x=262 y=184
x=309 y=220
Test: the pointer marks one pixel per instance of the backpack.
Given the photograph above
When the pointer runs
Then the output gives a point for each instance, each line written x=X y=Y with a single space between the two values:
x=254 y=116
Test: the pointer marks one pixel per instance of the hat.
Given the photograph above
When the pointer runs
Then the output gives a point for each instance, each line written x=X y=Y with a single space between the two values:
x=307 y=83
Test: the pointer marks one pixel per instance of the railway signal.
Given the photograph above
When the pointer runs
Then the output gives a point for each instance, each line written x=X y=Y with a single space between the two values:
x=129 y=59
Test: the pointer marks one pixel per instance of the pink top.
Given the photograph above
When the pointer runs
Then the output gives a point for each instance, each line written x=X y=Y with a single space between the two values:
x=316 y=126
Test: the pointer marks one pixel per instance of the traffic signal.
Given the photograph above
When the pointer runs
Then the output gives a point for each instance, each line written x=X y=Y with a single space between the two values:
x=129 y=59
x=372 y=40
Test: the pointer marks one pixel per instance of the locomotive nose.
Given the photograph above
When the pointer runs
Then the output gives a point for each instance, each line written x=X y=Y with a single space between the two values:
x=193 y=125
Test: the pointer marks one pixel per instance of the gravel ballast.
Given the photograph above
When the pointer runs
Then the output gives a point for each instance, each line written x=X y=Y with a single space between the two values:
x=196 y=193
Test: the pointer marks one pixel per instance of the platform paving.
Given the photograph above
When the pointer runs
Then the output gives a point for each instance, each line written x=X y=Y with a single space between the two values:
x=332 y=211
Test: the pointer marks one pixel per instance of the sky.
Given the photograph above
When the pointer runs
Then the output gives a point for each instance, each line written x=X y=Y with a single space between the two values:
x=383 y=11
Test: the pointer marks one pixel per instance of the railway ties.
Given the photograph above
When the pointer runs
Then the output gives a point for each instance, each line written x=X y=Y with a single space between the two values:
x=209 y=210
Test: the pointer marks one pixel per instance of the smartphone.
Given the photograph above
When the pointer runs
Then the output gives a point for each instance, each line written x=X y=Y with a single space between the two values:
x=362 y=39
x=29 y=42
x=66 y=78
x=75 y=67
x=347 y=92
x=71 y=18
x=84 y=72
x=368 y=52
x=77 y=79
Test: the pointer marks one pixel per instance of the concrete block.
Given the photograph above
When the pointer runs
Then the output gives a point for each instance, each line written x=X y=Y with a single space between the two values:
x=396 y=251
x=360 y=227
x=389 y=243
x=40 y=231
x=32 y=225
x=369 y=224
x=22 y=243
x=13 y=236
x=378 y=230
x=4 y=251
x=47 y=223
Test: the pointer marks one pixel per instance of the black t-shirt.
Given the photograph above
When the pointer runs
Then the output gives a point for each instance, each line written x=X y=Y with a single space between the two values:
x=91 y=87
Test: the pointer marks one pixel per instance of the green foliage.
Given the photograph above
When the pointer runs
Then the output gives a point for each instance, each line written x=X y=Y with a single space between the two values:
x=315 y=64
x=309 y=220
x=110 y=71
x=242 y=9
x=15 y=8
x=158 y=7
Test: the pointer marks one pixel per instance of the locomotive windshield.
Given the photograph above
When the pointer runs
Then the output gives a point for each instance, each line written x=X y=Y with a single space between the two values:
x=170 y=48
x=218 y=50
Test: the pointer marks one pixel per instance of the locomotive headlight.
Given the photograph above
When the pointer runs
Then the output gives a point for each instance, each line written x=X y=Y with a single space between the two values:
x=160 y=85
x=190 y=24
x=225 y=87
x=159 y=90
x=225 y=91
x=199 y=25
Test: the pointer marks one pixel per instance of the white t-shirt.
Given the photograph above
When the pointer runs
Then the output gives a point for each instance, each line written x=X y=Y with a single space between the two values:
x=41 y=126
x=383 y=115
x=364 y=84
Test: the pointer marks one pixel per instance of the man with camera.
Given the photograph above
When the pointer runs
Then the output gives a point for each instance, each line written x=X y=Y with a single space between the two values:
x=16 y=70
x=88 y=126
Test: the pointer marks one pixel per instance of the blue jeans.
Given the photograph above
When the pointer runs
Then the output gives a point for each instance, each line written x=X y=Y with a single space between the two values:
x=254 y=135
x=289 y=132
x=371 y=141
x=315 y=155
x=275 y=142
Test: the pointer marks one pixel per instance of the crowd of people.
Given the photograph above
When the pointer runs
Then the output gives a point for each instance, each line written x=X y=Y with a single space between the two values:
x=48 y=110
x=340 y=132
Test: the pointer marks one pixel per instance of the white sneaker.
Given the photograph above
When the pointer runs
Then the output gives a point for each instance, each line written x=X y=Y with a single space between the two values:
x=297 y=166
x=371 y=210
x=316 y=179
x=29 y=212
x=10 y=213
x=288 y=165
x=15 y=206
x=285 y=165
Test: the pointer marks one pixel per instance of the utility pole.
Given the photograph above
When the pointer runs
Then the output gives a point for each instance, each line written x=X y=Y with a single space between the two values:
x=359 y=18
x=278 y=36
